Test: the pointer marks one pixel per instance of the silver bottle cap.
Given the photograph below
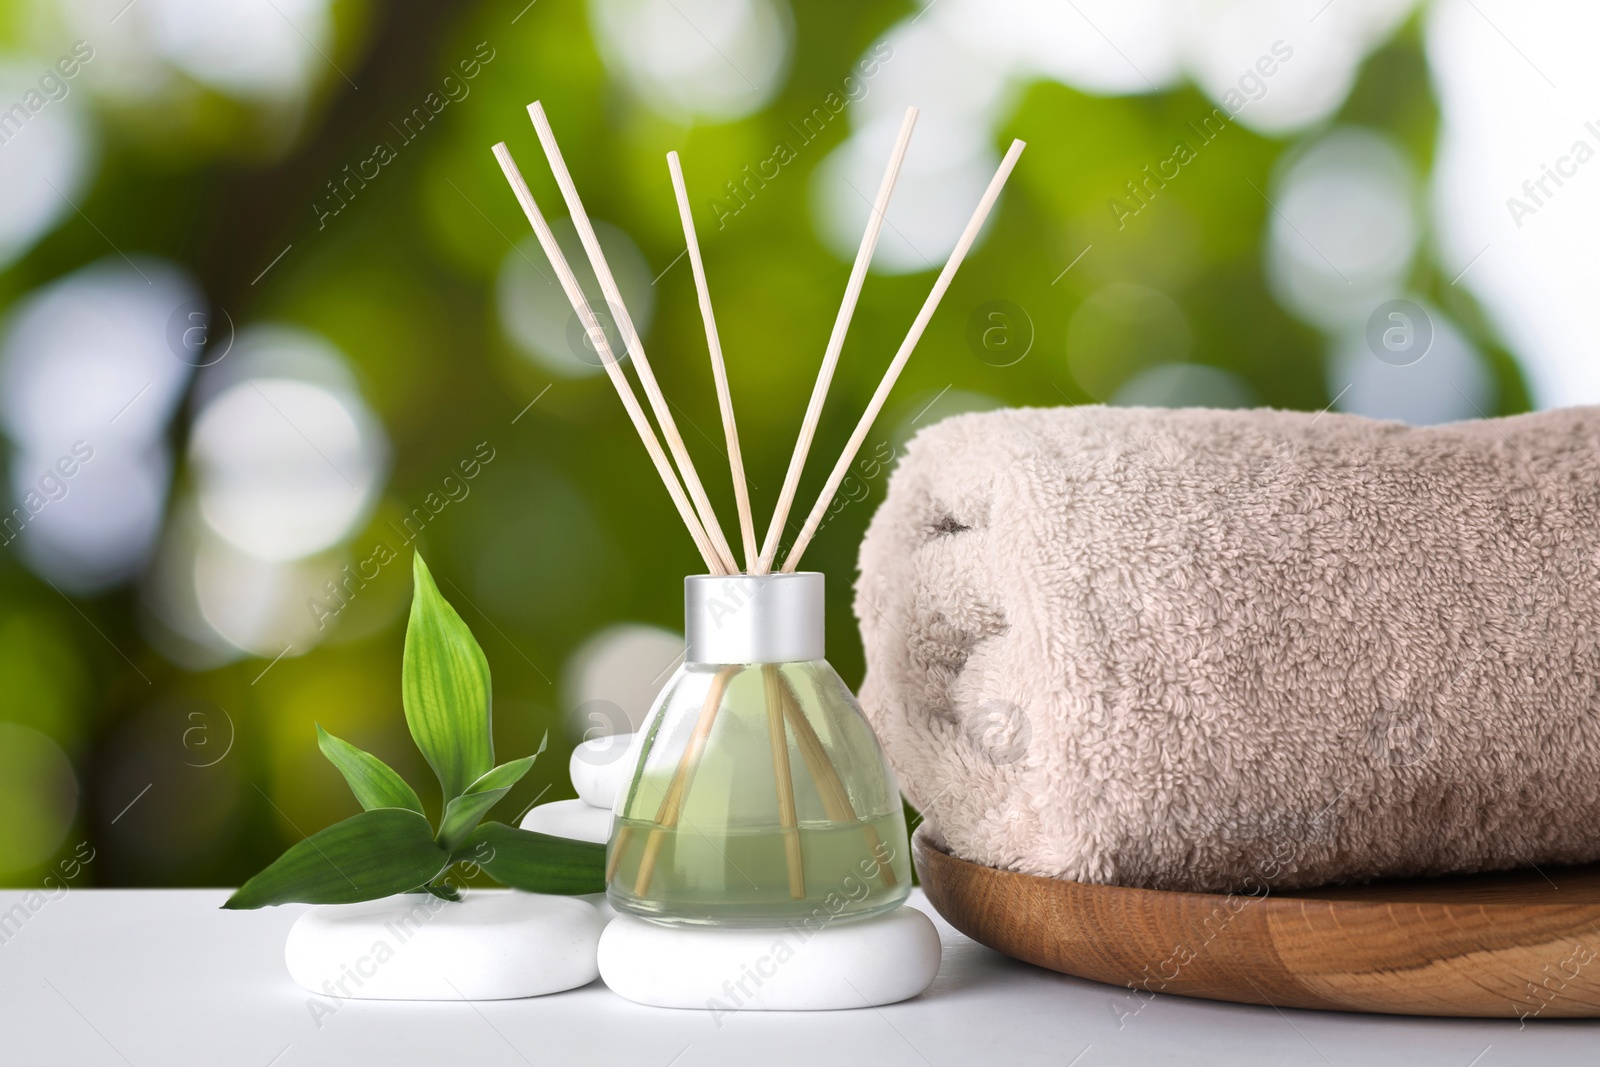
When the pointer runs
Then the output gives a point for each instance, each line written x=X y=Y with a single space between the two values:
x=753 y=618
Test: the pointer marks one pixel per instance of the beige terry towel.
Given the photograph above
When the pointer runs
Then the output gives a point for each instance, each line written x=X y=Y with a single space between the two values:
x=1209 y=650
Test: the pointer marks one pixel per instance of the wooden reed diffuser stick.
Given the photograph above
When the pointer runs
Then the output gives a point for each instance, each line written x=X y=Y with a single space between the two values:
x=914 y=335
x=788 y=817
x=586 y=316
x=630 y=336
x=830 y=357
x=719 y=371
x=672 y=803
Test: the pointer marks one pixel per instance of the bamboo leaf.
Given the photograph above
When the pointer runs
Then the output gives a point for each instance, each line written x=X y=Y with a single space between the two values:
x=465 y=811
x=371 y=855
x=444 y=682
x=374 y=782
x=537 y=863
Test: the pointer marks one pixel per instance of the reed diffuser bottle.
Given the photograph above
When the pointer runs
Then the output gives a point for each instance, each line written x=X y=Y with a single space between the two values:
x=761 y=795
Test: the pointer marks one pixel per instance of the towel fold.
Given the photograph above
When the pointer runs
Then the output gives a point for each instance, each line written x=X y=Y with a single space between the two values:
x=1207 y=650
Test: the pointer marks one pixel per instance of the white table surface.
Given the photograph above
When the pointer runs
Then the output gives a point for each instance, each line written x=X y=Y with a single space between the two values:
x=163 y=977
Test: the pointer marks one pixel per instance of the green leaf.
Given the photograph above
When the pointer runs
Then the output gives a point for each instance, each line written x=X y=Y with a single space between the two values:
x=371 y=855
x=464 y=812
x=444 y=682
x=443 y=890
x=537 y=863
x=374 y=782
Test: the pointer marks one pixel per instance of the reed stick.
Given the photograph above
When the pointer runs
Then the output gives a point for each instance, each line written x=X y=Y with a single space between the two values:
x=618 y=845
x=580 y=305
x=879 y=397
x=783 y=780
x=719 y=371
x=695 y=508
x=830 y=787
x=630 y=336
x=830 y=357
x=672 y=803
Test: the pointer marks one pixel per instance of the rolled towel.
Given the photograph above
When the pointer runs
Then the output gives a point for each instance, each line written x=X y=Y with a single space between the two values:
x=1207 y=650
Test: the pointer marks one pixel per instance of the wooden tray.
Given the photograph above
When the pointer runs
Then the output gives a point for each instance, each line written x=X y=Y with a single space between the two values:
x=1513 y=944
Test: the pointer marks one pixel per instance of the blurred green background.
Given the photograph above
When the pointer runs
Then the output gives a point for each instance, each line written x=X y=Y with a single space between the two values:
x=158 y=700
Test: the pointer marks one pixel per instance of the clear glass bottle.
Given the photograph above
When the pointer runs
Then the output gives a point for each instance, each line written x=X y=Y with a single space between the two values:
x=760 y=795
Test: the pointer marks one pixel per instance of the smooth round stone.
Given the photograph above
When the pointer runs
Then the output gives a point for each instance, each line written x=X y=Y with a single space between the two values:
x=493 y=944
x=600 y=768
x=880 y=960
x=570 y=818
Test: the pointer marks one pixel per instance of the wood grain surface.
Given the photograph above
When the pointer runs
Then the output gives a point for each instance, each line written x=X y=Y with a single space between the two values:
x=1517 y=944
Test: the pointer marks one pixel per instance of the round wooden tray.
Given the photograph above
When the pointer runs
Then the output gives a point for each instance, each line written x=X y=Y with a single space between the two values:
x=1515 y=944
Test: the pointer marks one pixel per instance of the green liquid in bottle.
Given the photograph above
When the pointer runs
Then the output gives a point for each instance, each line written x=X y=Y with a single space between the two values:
x=741 y=876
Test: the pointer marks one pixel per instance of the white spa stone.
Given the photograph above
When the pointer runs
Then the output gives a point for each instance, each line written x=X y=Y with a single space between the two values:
x=858 y=964
x=600 y=768
x=493 y=944
x=570 y=818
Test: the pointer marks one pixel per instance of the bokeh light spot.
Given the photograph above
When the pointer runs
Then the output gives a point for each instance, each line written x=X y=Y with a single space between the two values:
x=38 y=798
